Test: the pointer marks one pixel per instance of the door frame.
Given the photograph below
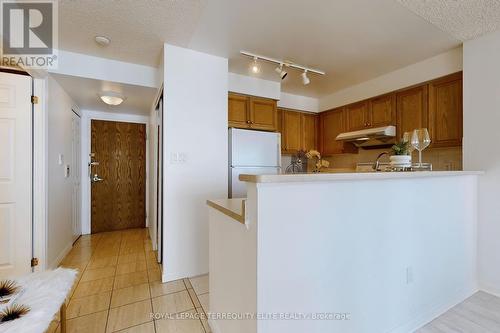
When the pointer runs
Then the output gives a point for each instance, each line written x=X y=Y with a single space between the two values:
x=87 y=117
x=78 y=203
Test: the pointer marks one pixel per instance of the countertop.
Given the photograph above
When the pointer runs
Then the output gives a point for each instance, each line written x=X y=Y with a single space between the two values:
x=234 y=208
x=327 y=177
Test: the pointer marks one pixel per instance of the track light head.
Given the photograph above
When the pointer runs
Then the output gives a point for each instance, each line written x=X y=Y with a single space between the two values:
x=281 y=72
x=305 y=79
x=255 y=67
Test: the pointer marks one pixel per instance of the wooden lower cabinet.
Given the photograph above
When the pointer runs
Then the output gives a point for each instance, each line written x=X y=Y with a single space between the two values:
x=445 y=111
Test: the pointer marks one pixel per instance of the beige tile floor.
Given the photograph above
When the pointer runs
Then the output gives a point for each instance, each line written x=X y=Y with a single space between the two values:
x=119 y=287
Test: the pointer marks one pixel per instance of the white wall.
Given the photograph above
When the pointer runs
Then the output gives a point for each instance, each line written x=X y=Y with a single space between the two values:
x=298 y=102
x=437 y=66
x=87 y=116
x=481 y=118
x=253 y=86
x=82 y=65
x=195 y=111
x=59 y=188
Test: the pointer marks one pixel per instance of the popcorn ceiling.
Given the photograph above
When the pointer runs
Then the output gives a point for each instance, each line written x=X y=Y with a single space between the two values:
x=463 y=19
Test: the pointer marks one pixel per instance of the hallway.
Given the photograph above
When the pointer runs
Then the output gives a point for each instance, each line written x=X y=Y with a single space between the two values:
x=119 y=288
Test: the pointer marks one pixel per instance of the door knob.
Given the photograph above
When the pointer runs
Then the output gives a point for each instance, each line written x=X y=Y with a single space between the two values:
x=96 y=178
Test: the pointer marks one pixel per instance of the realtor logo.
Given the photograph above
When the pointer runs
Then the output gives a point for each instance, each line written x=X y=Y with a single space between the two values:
x=29 y=33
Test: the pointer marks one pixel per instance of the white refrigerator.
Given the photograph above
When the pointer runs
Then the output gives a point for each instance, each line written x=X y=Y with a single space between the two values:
x=252 y=152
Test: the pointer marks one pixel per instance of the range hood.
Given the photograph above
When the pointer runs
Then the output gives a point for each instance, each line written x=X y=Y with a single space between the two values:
x=372 y=137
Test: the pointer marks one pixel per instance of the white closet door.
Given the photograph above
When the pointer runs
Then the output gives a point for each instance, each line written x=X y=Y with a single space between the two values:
x=15 y=174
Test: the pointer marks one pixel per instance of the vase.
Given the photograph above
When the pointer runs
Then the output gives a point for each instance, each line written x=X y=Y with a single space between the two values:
x=401 y=161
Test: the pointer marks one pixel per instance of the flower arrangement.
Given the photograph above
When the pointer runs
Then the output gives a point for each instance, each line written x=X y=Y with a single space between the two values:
x=319 y=162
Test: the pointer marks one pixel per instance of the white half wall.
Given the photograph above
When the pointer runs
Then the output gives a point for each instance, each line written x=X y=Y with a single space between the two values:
x=87 y=116
x=59 y=188
x=196 y=155
x=437 y=66
x=481 y=118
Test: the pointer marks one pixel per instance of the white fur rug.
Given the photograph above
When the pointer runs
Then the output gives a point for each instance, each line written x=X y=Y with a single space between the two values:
x=44 y=293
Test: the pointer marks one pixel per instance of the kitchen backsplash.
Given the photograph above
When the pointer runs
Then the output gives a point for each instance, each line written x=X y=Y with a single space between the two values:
x=441 y=158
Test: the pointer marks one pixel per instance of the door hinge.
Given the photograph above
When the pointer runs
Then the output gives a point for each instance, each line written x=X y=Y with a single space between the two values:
x=34 y=262
x=34 y=99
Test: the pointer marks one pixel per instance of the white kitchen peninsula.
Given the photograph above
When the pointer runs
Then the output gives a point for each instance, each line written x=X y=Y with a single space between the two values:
x=373 y=252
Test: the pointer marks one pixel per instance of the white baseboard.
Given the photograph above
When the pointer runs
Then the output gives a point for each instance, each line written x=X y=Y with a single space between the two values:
x=490 y=290
x=61 y=256
x=433 y=312
x=213 y=326
x=169 y=276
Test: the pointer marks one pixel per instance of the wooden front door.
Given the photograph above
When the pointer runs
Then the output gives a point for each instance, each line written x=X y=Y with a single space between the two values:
x=119 y=198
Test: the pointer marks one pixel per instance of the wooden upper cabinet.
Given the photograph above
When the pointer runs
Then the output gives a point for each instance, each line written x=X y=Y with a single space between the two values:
x=309 y=132
x=411 y=109
x=263 y=114
x=331 y=124
x=292 y=132
x=445 y=111
x=252 y=112
x=376 y=112
x=357 y=116
x=382 y=111
x=238 y=113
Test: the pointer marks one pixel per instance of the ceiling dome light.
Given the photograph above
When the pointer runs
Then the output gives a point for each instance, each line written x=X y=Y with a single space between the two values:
x=305 y=79
x=112 y=98
x=255 y=68
x=102 y=40
x=281 y=72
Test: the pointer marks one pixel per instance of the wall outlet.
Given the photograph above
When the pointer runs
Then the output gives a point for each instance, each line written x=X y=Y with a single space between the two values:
x=178 y=158
x=409 y=275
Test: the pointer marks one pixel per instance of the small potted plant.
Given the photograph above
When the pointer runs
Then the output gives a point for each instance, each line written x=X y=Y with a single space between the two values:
x=401 y=155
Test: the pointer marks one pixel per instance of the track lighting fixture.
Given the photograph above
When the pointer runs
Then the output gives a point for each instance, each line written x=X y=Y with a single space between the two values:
x=255 y=67
x=281 y=72
x=305 y=79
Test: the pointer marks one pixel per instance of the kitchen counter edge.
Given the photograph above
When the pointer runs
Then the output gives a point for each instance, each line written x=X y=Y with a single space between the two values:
x=234 y=208
x=327 y=177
